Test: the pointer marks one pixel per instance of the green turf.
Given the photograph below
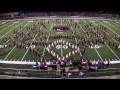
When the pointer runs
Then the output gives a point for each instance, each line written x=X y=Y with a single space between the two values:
x=7 y=29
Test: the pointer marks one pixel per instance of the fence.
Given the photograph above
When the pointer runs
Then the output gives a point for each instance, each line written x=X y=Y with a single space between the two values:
x=30 y=73
x=56 y=74
x=108 y=72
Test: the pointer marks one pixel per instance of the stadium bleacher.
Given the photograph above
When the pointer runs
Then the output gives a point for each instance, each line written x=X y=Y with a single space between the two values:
x=17 y=15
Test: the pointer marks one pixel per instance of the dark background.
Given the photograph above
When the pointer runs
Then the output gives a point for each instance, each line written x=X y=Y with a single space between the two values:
x=107 y=6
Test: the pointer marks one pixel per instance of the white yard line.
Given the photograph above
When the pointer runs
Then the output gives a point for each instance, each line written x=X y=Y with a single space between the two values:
x=15 y=45
x=111 y=49
x=94 y=47
x=7 y=41
x=75 y=38
x=61 y=50
x=7 y=27
x=47 y=40
x=95 y=23
x=107 y=27
x=98 y=53
x=112 y=38
x=10 y=52
x=113 y=26
x=83 y=20
x=30 y=45
x=27 y=51
x=82 y=28
x=106 y=32
x=11 y=30
x=61 y=43
x=18 y=31
x=4 y=24
x=117 y=24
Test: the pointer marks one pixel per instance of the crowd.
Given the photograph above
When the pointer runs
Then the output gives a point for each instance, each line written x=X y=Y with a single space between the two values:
x=80 y=64
x=12 y=15
x=52 y=13
x=70 y=13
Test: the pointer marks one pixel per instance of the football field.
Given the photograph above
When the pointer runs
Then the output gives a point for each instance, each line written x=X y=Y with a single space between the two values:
x=36 y=39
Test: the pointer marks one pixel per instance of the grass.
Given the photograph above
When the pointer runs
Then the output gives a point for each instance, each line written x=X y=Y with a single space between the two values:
x=17 y=53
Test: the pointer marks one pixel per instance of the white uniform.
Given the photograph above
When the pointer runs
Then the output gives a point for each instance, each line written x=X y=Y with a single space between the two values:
x=48 y=49
x=54 y=54
x=69 y=44
x=55 y=42
x=52 y=45
x=76 y=51
x=57 y=56
x=66 y=55
x=66 y=43
x=73 y=46
x=69 y=53
x=63 y=58
x=61 y=40
x=73 y=52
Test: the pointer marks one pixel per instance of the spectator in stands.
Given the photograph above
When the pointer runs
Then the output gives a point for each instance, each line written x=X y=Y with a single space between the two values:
x=19 y=72
x=26 y=75
x=36 y=63
x=69 y=74
x=54 y=62
x=108 y=63
x=70 y=62
x=37 y=14
x=80 y=67
x=81 y=74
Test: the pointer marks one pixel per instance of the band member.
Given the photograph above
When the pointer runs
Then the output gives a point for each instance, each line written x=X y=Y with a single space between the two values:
x=54 y=54
x=73 y=52
x=57 y=56
x=69 y=54
x=75 y=47
x=76 y=51
x=69 y=44
x=66 y=56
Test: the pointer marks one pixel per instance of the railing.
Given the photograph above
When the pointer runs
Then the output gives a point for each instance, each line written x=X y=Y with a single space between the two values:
x=30 y=72
x=98 y=73
x=57 y=74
